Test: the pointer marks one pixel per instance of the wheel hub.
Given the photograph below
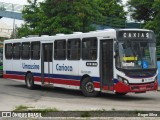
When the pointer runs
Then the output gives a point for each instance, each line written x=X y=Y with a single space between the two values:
x=90 y=87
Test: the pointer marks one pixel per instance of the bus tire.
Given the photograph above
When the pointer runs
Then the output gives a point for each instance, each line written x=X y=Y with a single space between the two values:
x=120 y=94
x=87 y=88
x=29 y=81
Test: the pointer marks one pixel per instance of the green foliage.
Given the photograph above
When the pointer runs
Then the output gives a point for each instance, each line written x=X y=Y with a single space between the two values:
x=21 y=108
x=111 y=8
x=85 y=114
x=141 y=9
x=147 y=11
x=31 y=13
x=25 y=30
x=67 y=16
x=113 y=13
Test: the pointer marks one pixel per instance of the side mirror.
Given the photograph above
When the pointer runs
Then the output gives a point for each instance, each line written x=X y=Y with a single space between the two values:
x=116 y=46
x=116 y=50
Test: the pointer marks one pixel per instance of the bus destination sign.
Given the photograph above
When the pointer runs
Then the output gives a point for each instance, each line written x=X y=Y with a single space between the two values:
x=134 y=35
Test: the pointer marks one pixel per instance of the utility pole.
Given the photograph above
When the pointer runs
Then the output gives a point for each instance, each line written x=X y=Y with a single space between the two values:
x=14 y=34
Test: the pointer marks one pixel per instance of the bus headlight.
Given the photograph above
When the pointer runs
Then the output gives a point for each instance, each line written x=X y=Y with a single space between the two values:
x=123 y=80
x=120 y=78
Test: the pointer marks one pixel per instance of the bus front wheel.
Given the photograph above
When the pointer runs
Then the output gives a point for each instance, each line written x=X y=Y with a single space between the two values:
x=87 y=88
x=29 y=81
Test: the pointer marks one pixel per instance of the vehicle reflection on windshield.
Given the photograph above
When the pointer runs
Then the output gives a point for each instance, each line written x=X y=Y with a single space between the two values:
x=137 y=55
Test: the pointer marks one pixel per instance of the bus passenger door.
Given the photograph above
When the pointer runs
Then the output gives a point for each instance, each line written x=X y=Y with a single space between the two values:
x=47 y=62
x=106 y=64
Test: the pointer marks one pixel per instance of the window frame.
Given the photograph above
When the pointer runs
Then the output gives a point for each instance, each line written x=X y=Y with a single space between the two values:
x=29 y=51
x=16 y=58
x=8 y=50
x=73 y=49
x=32 y=51
x=57 y=49
x=90 y=48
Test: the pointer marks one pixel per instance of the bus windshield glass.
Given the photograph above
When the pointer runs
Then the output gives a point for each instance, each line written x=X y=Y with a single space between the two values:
x=137 y=55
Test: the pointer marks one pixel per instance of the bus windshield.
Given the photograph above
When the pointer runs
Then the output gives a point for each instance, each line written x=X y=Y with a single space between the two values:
x=137 y=55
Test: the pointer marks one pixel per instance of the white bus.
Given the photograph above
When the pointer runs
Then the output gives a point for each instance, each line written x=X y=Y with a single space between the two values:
x=118 y=60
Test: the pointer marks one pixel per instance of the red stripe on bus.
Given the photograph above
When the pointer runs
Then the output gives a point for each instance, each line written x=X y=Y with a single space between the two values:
x=51 y=80
x=14 y=76
x=105 y=87
x=96 y=85
x=67 y=82
x=37 y=79
x=111 y=88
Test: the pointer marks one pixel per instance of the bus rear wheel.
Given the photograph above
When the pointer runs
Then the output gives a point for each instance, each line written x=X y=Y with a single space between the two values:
x=29 y=81
x=87 y=88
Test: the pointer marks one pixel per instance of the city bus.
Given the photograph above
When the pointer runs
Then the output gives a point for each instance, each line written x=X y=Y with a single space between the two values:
x=111 y=60
x=1 y=59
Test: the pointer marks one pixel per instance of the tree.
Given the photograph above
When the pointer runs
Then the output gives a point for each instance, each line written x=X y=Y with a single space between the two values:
x=25 y=30
x=113 y=12
x=70 y=15
x=59 y=16
x=67 y=16
x=141 y=10
x=31 y=13
x=146 y=11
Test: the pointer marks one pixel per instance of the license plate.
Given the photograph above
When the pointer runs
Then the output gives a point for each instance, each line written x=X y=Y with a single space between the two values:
x=143 y=88
x=148 y=79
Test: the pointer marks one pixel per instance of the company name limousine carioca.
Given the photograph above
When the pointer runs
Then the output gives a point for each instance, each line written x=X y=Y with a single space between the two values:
x=34 y=66
x=63 y=68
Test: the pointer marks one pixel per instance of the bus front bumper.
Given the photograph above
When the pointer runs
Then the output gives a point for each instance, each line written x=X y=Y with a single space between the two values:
x=120 y=87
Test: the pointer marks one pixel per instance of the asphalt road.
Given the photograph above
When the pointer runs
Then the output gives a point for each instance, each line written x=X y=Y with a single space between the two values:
x=13 y=93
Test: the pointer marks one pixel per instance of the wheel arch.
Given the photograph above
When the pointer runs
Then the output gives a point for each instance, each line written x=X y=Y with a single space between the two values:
x=29 y=80
x=83 y=77
x=27 y=73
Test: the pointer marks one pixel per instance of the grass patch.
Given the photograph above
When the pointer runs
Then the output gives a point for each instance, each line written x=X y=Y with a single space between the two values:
x=101 y=110
x=45 y=110
x=22 y=108
x=139 y=111
x=85 y=114
x=113 y=109
x=32 y=109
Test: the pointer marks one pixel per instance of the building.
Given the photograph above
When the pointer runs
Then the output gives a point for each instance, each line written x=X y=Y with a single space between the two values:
x=5 y=30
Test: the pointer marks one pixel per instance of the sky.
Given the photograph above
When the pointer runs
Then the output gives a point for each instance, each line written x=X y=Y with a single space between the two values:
x=18 y=23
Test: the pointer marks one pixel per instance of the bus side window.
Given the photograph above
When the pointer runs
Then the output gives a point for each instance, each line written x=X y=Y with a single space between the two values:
x=89 y=48
x=60 y=49
x=25 y=50
x=16 y=50
x=35 y=50
x=73 y=49
x=8 y=51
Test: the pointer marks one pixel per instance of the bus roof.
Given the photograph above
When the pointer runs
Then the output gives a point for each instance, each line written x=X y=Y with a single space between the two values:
x=106 y=33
